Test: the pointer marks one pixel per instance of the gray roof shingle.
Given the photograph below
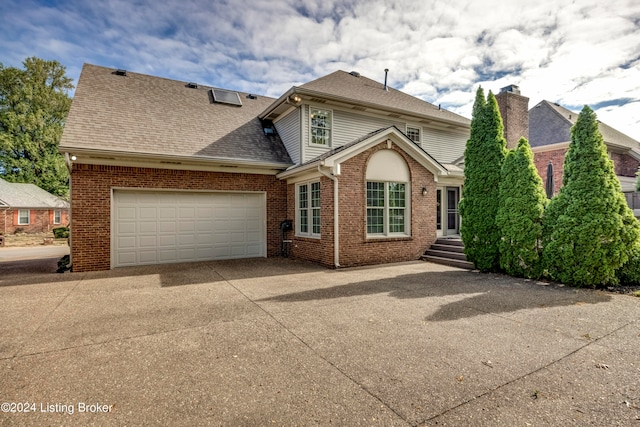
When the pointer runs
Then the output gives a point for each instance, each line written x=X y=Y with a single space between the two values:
x=18 y=195
x=551 y=123
x=360 y=89
x=143 y=114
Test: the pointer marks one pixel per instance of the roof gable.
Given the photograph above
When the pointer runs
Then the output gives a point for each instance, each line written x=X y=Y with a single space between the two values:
x=332 y=159
x=551 y=123
x=355 y=89
x=20 y=195
x=141 y=114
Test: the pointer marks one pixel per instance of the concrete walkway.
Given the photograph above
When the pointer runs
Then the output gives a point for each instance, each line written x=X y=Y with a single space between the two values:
x=279 y=342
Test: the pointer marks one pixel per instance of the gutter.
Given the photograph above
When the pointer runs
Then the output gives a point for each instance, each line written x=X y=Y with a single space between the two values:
x=336 y=233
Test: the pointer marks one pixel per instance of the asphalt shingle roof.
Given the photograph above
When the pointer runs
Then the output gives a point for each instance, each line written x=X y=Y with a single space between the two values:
x=144 y=114
x=18 y=195
x=364 y=90
x=555 y=122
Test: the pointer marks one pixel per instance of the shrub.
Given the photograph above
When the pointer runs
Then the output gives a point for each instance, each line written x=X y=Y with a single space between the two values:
x=522 y=204
x=589 y=231
x=629 y=273
x=483 y=157
x=61 y=232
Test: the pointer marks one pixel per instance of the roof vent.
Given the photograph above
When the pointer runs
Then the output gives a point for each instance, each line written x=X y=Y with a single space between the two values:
x=120 y=72
x=355 y=74
x=192 y=85
x=223 y=96
x=252 y=96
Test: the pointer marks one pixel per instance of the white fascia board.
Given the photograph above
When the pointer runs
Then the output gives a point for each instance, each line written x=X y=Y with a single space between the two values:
x=166 y=161
x=397 y=138
x=550 y=147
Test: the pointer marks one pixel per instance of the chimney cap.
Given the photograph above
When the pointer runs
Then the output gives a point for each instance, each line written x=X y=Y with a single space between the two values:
x=511 y=88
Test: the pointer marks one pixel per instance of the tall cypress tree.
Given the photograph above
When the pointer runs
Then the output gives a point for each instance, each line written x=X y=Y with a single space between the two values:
x=483 y=157
x=589 y=231
x=522 y=204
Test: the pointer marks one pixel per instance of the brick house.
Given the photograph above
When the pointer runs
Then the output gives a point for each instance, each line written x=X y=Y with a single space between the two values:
x=28 y=208
x=167 y=171
x=547 y=126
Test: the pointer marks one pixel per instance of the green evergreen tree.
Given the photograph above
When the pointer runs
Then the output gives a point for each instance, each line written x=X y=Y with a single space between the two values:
x=483 y=157
x=34 y=103
x=519 y=220
x=589 y=231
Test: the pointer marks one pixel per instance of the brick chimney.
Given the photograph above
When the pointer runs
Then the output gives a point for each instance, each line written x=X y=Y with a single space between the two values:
x=514 y=109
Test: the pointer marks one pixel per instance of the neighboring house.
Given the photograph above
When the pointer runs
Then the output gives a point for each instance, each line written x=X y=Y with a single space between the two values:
x=166 y=171
x=30 y=209
x=548 y=129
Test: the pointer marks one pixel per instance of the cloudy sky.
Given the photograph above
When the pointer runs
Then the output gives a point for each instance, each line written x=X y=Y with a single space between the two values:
x=571 y=52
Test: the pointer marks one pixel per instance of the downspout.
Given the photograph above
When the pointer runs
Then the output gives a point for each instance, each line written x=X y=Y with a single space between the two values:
x=336 y=234
x=68 y=160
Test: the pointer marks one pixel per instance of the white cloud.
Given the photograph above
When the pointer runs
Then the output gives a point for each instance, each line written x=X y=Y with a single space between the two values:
x=580 y=52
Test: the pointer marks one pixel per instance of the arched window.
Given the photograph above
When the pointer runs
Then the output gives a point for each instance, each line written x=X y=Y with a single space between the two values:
x=388 y=195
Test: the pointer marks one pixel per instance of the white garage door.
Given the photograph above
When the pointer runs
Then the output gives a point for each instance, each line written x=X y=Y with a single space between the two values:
x=157 y=227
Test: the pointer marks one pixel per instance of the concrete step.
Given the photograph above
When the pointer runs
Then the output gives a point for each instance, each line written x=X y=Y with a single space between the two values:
x=448 y=248
x=448 y=261
x=445 y=254
x=450 y=242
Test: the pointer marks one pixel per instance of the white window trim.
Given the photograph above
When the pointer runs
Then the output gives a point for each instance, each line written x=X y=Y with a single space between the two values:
x=20 y=217
x=311 y=143
x=309 y=209
x=407 y=210
x=57 y=212
x=420 y=130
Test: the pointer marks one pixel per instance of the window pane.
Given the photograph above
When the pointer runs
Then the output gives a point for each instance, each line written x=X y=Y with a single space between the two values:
x=57 y=217
x=375 y=221
x=396 y=195
x=375 y=194
x=23 y=216
x=413 y=134
x=304 y=221
x=303 y=197
x=315 y=195
x=321 y=118
x=396 y=220
x=320 y=136
x=316 y=221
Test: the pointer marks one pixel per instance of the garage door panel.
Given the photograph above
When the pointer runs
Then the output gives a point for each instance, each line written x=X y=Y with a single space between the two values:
x=168 y=212
x=167 y=226
x=163 y=227
x=148 y=241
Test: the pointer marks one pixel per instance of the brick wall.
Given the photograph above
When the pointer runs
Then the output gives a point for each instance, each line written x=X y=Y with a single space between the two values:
x=40 y=221
x=624 y=164
x=556 y=157
x=355 y=248
x=514 y=109
x=91 y=203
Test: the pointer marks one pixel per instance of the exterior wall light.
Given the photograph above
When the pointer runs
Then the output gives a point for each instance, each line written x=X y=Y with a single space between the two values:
x=424 y=191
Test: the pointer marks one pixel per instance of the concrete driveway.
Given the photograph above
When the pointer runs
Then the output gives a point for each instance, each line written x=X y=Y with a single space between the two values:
x=279 y=342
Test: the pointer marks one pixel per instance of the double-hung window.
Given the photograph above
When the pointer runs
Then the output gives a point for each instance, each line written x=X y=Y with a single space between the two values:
x=57 y=216
x=24 y=217
x=387 y=208
x=308 y=209
x=320 y=126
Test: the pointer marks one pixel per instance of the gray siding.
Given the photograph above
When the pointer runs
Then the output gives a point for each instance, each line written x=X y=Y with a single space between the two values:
x=289 y=130
x=444 y=146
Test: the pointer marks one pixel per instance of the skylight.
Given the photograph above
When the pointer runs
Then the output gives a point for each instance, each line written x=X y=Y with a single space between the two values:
x=226 y=97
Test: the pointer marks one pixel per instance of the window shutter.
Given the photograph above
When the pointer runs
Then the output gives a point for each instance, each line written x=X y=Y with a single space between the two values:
x=16 y=215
